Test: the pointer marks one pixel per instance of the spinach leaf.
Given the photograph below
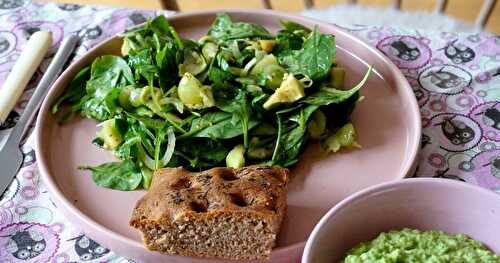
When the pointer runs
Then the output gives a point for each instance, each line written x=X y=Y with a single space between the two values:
x=112 y=68
x=217 y=125
x=292 y=135
x=193 y=153
x=326 y=96
x=292 y=27
x=241 y=110
x=75 y=90
x=108 y=74
x=224 y=29
x=314 y=59
x=124 y=176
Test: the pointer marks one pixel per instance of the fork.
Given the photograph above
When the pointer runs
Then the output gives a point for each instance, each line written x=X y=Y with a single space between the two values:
x=11 y=156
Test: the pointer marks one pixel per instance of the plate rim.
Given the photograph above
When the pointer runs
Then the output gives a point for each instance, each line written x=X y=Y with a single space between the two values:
x=70 y=211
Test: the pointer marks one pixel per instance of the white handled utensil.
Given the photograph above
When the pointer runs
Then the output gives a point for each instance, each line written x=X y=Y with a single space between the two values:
x=11 y=156
x=26 y=65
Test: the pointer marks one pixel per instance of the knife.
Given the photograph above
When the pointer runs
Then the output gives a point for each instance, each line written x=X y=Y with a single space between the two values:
x=11 y=157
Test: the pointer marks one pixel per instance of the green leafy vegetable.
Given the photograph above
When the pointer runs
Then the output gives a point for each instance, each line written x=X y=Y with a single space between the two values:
x=238 y=96
x=123 y=176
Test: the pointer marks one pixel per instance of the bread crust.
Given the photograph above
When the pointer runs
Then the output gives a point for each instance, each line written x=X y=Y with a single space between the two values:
x=219 y=213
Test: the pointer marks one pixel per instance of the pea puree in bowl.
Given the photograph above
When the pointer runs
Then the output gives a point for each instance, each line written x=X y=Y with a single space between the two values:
x=410 y=220
x=414 y=246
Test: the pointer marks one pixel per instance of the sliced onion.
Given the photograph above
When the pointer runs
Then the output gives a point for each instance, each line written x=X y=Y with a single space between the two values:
x=170 y=147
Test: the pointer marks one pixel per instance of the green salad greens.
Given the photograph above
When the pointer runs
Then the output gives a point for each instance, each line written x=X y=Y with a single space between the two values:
x=238 y=96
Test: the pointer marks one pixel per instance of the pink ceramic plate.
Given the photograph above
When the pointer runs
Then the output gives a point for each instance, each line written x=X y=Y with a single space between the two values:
x=388 y=122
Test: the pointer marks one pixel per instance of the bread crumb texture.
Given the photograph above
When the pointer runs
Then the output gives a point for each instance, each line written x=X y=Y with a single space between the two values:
x=220 y=213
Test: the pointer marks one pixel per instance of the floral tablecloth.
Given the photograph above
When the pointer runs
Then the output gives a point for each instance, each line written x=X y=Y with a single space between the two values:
x=455 y=77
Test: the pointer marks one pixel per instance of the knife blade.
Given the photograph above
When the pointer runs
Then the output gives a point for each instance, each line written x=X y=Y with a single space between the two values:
x=11 y=156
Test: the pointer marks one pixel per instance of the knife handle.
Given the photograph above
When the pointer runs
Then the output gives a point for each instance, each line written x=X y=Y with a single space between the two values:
x=55 y=67
x=32 y=55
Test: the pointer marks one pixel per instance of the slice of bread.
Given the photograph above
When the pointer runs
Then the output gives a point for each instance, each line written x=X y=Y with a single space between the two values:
x=221 y=213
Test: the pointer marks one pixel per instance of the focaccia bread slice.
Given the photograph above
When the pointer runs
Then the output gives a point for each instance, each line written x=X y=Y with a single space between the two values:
x=219 y=213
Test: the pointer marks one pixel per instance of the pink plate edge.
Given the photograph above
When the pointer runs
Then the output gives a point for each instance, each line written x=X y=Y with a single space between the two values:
x=83 y=221
x=378 y=188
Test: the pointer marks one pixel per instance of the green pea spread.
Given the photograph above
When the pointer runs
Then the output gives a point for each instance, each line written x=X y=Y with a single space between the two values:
x=414 y=246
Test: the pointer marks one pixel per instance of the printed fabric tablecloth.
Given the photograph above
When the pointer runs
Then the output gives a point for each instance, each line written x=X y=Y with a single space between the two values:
x=455 y=77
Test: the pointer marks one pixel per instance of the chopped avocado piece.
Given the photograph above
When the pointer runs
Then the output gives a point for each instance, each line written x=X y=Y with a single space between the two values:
x=274 y=75
x=125 y=46
x=236 y=157
x=209 y=50
x=263 y=63
x=345 y=137
x=317 y=124
x=289 y=91
x=267 y=45
x=337 y=76
x=109 y=134
x=193 y=94
x=193 y=63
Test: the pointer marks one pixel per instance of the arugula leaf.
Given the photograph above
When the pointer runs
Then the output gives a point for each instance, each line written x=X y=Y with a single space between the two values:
x=124 y=176
x=224 y=29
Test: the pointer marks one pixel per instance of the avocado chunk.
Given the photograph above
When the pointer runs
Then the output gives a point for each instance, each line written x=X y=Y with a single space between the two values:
x=109 y=134
x=290 y=90
x=193 y=94
x=263 y=63
x=267 y=45
x=236 y=157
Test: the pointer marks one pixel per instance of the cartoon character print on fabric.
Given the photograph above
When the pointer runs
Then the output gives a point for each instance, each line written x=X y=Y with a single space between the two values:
x=497 y=73
x=455 y=132
x=488 y=116
x=425 y=141
x=87 y=249
x=29 y=157
x=124 y=19
x=421 y=94
x=24 y=30
x=458 y=53
x=486 y=168
x=445 y=79
x=27 y=242
x=137 y=18
x=7 y=43
x=10 y=122
x=91 y=32
x=444 y=174
x=407 y=52
x=11 y=4
x=69 y=7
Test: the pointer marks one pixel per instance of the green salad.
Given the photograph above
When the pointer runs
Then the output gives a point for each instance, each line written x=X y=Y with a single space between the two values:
x=238 y=96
